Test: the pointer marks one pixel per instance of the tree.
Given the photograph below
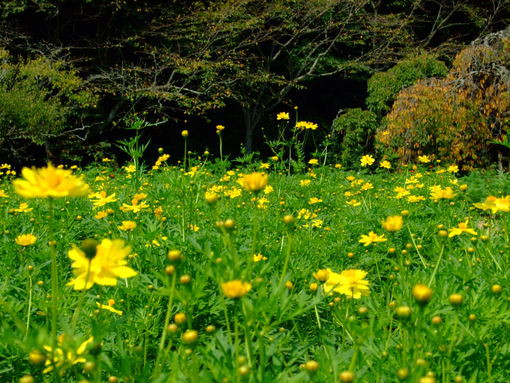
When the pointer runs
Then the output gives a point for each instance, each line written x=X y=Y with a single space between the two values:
x=457 y=118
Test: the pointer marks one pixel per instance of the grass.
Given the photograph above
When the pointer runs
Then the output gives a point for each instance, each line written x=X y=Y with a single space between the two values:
x=285 y=328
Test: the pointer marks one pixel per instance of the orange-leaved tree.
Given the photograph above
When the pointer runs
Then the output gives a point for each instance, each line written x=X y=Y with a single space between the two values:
x=459 y=118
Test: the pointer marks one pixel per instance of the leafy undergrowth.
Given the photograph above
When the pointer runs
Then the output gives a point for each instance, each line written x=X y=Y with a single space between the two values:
x=227 y=279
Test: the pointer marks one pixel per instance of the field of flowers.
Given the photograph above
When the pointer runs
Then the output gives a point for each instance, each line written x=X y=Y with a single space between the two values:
x=199 y=273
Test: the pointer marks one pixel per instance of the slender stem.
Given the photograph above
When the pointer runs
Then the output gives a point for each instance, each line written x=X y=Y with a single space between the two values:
x=221 y=146
x=77 y=312
x=165 y=326
x=416 y=248
x=436 y=267
x=185 y=152
x=29 y=303
x=287 y=257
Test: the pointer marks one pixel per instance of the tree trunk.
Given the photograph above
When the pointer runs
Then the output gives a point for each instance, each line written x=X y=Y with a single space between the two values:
x=251 y=122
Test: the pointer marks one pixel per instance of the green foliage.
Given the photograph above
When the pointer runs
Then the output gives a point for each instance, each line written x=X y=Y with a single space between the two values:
x=37 y=98
x=356 y=128
x=270 y=333
x=457 y=118
x=383 y=87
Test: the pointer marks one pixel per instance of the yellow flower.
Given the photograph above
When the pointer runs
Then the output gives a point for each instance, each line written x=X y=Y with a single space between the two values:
x=437 y=193
x=385 y=164
x=235 y=288
x=424 y=159
x=50 y=182
x=393 y=223
x=127 y=225
x=102 y=267
x=109 y=307
x=422 y=293
x=367 y=160
x=265 y=166
x=304 y=182
x=254 y=182
x=494 y=204
x=453 y=169
x=211 y=197
x=130 y=168
x=322 y=275
x=101 y=198
x=220 y=127
x=314 y=161
x=283 y=116
x=185 y=133
x=259 y=257
x=349 y=282
x=3 y=194
x=462 y=228
x=314 y=200
x=306 y=125
x=372 y=238
x=64 y=357
x=26 y=239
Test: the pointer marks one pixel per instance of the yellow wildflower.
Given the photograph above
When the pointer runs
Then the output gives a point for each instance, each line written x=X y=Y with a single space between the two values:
x=127 y=225
x=26 y=239
x=462 y=228
x=254 y=182
x=283 y=116
x=367 y=160
x=109 y=307
x=49 y=182
x=62 y=357
x=393 y=223
x=372 y=238
x=351 y=283
x=103 y=266
x=235 y=289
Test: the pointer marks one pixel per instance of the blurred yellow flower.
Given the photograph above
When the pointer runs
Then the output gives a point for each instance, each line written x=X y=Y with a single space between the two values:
x=63 y=357
x=351 y=283
x=235 y=288
x=424 y=159
x=367 y=160
x=301 y=125
x=321 y=275
x=26 y=239
x=103 y=266
x=393 y=223
x=372 y=238
x=127 y=225
x=220 y=127
x=283 y=116
x=437 y=193
x=462 y=228
x=109 y=307
x=314 y=161
x=494 y=204
x=49 y=182
x=385 y=164
x=254 y=182
x=185 y=133
x=259 y=257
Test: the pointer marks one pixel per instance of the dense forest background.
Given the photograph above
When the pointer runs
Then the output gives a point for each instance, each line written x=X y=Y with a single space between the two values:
x=75 y=73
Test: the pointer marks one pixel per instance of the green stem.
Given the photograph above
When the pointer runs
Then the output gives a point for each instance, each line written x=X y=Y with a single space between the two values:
x=287 y=258
x=185 y=152
x=77 y=312
x=436 y=267
x=29 y=304
x=165 y=326
x=416 y=248
x=221 y=147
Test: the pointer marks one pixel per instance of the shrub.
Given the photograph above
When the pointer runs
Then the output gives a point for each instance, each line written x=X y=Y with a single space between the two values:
x=456 y=118
x=383 y=87
x=356 y=129
x=38 y=97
